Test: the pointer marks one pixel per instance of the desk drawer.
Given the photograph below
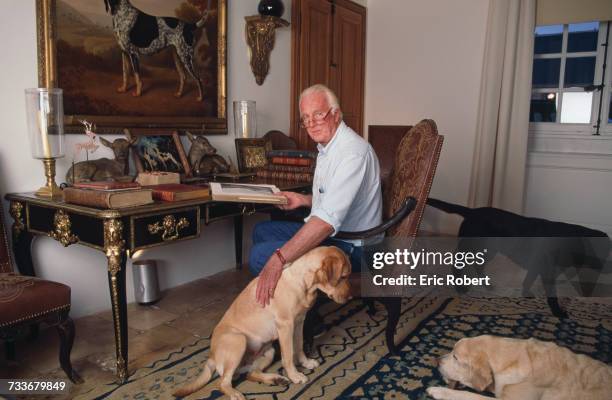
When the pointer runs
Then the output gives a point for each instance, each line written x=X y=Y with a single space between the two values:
x=164 y=227
x=76 y=228
x=215 y=211
x=219 y=210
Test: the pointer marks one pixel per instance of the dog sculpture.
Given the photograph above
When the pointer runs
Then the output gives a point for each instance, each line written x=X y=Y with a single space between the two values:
x=203 y=157
x=103 y=169
x=549 y=246
x=141 y=34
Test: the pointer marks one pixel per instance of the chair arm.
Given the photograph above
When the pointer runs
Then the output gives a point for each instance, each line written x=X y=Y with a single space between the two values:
x=406 y=208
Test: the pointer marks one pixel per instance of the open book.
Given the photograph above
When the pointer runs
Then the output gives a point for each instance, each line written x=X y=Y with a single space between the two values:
x=246 y=193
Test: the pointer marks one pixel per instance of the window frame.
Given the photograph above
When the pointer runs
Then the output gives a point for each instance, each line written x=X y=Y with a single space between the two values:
x=579 y=129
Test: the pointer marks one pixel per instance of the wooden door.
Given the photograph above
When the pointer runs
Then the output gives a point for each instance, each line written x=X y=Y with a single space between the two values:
x=348 y=62
x=312 y=48
x=328 y=46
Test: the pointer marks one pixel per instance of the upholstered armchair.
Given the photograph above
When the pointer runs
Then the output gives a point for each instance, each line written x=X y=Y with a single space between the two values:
x=406 y=177
x=26 y=301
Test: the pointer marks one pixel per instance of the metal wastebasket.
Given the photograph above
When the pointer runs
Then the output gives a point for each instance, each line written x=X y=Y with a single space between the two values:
x=146 y=285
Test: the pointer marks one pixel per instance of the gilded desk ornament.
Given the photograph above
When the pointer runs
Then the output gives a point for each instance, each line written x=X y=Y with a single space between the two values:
x=62 y=229
x=113 y=244
x=248 y=210
x=169 y=226
x=16 y=211
x=114 y=247
x=260 y=35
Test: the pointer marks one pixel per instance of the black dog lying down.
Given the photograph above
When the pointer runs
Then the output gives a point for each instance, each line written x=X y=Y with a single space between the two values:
x=552 y=245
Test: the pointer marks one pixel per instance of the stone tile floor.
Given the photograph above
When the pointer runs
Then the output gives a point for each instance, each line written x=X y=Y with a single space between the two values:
x=184 y=313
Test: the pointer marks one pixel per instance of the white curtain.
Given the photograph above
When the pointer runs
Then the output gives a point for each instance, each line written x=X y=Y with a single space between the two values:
x=499 y=165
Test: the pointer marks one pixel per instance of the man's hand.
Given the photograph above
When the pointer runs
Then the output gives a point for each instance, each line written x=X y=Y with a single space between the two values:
x=268 y=278
x=295 y=200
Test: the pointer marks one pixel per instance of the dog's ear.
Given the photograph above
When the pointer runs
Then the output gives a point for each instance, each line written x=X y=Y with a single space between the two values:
x=330 y=270
x=189 y=136
x=482 y=375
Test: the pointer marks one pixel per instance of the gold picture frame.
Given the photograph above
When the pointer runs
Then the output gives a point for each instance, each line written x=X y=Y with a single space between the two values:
x=90 y=83
x=251 y=153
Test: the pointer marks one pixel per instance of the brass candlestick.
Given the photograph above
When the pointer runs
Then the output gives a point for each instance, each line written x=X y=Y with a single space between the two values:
x=50 y=189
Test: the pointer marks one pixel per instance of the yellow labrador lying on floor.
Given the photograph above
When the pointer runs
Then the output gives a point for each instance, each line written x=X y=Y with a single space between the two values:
x=242 y=341
x=521 y=370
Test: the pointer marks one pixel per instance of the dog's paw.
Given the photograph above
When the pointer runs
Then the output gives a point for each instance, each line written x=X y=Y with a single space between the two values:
x=281 y=381
x=310 y=363
x=237 y=396
x=298 y=377
x=438 y=393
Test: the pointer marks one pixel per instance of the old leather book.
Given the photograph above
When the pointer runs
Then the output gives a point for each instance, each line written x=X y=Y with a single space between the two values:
x=306 y=162
x=108 y=198
x=179 y=191
x=285 y=175
x=106 y=185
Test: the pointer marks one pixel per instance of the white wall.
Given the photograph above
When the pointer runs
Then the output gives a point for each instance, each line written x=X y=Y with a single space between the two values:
x=82 y=268
x=424 y=60
x=569 y=179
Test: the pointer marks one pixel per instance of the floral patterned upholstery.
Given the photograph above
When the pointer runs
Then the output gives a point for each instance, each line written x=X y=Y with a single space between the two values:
x=413 y=171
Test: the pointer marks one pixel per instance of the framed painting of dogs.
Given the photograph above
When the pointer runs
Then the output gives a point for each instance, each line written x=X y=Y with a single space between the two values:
x=136 y=63
x=158 y=152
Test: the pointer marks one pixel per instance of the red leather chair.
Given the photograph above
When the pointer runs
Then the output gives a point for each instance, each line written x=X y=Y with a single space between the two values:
x=26 y=301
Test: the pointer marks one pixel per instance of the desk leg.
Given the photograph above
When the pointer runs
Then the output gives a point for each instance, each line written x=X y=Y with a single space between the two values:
x=114 y=248
x=22 y=240
x=238 y=221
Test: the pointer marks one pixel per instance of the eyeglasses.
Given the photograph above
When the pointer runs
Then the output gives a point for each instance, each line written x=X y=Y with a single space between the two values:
x=317 y=118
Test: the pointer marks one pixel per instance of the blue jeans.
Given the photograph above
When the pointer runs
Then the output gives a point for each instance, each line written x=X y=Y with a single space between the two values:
x=271 y=235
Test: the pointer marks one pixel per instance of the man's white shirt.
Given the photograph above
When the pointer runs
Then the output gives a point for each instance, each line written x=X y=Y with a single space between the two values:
x=346 y=190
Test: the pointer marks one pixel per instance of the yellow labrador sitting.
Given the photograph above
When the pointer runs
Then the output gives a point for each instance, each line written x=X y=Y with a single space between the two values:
x=242 y=341
x=522 y=370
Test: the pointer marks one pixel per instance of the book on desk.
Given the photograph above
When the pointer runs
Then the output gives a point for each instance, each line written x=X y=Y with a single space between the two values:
x=114 y=198
x=246 y=193
x=106 y=185
x=179 y=192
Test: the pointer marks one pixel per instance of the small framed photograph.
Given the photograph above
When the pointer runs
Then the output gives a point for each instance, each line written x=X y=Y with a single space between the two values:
x=159 y=152
x=251 y=154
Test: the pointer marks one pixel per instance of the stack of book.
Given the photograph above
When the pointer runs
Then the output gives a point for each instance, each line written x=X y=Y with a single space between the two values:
x=291 y=165
x=108 y=194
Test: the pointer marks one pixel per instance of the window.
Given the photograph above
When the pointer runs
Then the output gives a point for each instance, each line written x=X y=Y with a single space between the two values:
x=567 y=74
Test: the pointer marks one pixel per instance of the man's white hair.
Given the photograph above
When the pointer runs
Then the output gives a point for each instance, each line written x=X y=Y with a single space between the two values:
x=332 y=99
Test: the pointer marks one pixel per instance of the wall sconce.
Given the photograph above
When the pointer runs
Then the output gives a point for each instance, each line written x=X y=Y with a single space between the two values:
x=260 y=34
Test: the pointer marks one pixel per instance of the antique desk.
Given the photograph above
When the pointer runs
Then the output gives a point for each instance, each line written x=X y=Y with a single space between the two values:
x=119 y=233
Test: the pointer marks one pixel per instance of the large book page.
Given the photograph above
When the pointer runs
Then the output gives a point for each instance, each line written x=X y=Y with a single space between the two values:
x=246 y=193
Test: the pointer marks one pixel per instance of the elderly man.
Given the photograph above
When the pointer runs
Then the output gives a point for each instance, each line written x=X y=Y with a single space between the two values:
x=346 y=195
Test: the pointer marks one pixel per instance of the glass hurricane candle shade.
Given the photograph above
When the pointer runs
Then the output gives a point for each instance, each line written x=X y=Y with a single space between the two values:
x=45 y=117
x=245 y=119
